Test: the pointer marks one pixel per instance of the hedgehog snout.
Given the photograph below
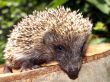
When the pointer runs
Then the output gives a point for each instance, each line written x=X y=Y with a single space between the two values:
x=73 y=74
x=72 y=71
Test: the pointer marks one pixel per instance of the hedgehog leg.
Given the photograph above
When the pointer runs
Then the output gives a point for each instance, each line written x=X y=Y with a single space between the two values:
x=7 y=69
x=26 y=66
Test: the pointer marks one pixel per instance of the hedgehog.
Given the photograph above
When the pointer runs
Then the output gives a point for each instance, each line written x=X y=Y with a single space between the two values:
x=50 y=35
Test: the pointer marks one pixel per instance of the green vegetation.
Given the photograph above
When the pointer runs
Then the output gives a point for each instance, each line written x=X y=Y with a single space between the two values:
x=11 y=11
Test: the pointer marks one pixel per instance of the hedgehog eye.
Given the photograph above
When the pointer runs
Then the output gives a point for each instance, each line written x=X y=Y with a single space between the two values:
x=59 y=48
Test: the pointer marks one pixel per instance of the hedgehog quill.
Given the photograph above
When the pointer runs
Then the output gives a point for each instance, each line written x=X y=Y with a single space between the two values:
x=53 y=34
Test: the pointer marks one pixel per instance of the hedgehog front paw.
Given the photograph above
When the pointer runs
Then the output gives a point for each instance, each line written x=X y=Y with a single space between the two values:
x=23 y=68
x=28 y=66
x=35 y=66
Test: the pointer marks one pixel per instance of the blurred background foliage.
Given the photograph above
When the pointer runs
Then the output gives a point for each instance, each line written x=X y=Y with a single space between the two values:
x=11 y=11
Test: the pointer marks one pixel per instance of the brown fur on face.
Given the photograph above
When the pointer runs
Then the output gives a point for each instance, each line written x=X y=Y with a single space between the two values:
x=53 y=34
x=68 y=51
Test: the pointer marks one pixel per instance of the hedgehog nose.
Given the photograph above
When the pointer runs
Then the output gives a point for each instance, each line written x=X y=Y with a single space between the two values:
x=73 y=74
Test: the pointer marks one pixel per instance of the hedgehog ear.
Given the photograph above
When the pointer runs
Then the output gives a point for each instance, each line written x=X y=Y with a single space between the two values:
x=48 y=38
